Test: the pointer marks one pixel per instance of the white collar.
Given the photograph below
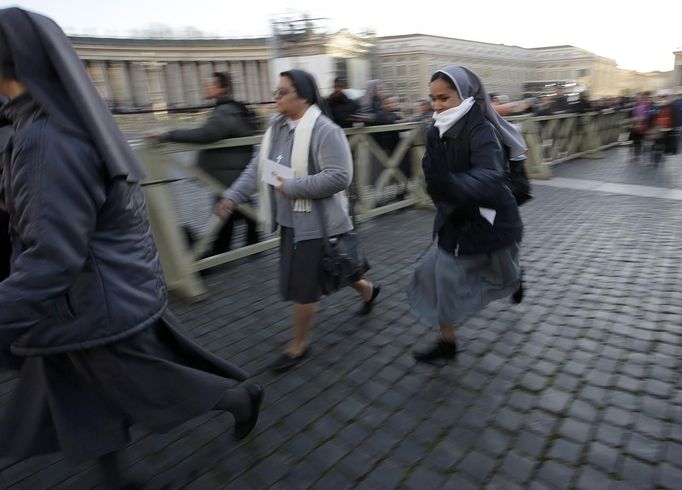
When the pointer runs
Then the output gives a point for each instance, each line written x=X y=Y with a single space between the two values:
x=446 y=119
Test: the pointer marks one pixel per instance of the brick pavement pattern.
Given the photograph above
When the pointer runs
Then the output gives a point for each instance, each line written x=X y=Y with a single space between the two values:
x=577 y=387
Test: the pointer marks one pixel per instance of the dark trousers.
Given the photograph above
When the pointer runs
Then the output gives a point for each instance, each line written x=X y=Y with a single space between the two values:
x=5 y=246
x=224 y=237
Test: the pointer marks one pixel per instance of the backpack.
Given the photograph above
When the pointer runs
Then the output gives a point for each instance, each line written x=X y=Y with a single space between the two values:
x=248 y=116
x=520 y=184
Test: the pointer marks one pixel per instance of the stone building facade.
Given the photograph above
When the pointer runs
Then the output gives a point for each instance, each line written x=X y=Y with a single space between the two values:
x=133 y=74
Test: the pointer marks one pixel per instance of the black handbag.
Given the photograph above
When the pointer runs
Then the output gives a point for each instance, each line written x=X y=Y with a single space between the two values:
x=343 y=262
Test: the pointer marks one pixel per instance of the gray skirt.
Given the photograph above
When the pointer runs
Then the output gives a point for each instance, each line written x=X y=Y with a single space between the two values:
x=447 y=289
x=299 y=268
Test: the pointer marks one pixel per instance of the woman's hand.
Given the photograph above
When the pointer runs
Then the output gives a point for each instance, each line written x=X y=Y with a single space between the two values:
x=280 y=187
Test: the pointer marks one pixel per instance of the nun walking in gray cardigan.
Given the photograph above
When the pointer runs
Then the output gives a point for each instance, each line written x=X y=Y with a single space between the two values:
x=301 y=130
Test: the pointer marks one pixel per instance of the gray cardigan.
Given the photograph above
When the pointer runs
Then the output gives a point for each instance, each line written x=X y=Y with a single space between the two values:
x=334 y=161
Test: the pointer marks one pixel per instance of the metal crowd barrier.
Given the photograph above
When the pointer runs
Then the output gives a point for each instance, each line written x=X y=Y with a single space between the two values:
x=550 y=139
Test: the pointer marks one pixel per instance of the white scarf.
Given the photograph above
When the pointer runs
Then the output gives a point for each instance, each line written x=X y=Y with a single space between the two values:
x=446 y=119
x=299 y=162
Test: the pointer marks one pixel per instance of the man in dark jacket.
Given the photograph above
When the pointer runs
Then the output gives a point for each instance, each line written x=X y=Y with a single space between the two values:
x=229 y=119
x=341 y=106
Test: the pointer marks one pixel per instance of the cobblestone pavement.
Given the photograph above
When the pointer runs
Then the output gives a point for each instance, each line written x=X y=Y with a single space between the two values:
x=577 y=387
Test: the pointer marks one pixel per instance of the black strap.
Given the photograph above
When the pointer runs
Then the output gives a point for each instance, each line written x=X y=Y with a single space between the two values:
x=312 y=170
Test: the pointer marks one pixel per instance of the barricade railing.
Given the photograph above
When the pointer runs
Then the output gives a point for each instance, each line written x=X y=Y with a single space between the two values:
x=379 y=182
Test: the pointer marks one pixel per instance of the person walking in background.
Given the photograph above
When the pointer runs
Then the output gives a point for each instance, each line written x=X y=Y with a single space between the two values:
x=341 y=106
x=477 y=223
x=641 y=115
x=372 y=101
x=229 y=119
x=84 y=312
x=299 y=205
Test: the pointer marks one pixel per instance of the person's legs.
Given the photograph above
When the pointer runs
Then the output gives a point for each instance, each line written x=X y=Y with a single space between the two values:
x=368 y=291
x=297 y=350
x=303 y=320
x=243 y=402
x=364 y=289
x=224 y=237
x=251 y=229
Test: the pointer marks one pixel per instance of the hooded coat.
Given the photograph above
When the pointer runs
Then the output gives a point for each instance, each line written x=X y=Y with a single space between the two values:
x=85 y=271
x=466 y=169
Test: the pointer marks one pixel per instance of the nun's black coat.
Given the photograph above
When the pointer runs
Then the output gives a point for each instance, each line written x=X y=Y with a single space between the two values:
x=83 y=312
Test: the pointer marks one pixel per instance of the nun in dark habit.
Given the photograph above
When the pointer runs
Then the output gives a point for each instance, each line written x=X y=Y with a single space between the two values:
x=83 y=313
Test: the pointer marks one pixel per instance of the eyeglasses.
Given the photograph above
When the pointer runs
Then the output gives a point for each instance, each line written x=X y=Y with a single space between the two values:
x=282 y=92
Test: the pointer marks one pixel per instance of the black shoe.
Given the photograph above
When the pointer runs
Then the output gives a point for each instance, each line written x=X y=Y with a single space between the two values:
x=285 y=362
x=439 y=354
x=367 y=306
x=242 y=429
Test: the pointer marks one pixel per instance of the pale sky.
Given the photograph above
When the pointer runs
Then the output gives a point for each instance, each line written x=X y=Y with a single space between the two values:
x=637 y=35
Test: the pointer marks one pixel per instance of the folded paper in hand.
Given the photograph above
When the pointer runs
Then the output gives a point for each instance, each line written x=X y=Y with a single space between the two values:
x=272 y=170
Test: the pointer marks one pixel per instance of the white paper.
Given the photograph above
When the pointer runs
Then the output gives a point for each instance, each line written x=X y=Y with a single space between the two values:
x=488 y=214
x=272 y=170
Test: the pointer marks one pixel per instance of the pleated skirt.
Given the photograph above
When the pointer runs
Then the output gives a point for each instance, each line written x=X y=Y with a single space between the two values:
x=448 y=289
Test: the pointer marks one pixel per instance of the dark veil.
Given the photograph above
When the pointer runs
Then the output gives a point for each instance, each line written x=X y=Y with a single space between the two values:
x=306 y=86
x=37 y=53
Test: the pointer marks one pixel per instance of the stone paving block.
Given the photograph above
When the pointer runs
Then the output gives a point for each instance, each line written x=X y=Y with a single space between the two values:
x=531 y=444
x=356 y=464
x=477 y=466
x=566 y=451
x=673 y=454
x=555 y=474
x=593 y=394
x=591 y=479
x=534 y=382
x=644 y=448
x=603 y=457
x=303 y=475
x=423 y=477
x=336 y=480
x=610 y=435
x=618 y=416
x=637 y=473
x=385 y=475
x=576 y=430
x=554 y=401
x=460 y=482
x=509 y=419
x=668 y=476
x=518 y=467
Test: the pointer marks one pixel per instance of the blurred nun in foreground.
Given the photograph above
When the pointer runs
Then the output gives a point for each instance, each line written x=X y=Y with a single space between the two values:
x=83 y=312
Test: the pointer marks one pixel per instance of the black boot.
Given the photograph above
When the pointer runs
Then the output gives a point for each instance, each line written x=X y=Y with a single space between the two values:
x=517 y=297
x=439 y=354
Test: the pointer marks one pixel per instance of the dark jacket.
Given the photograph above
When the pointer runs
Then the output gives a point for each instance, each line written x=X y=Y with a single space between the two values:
x=342 y=107
x=229 y=119
x=465 y=170
x=677 y=112
x=5 y=246
x=85 y=270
